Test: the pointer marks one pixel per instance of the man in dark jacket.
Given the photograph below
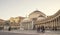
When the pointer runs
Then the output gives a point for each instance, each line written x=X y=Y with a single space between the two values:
x=9 y=29
x=38 y=29
x=42 y=29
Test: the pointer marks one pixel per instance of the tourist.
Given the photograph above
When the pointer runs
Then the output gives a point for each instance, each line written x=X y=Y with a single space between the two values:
x=42 y=29
x=9 y=29
x=38 y=29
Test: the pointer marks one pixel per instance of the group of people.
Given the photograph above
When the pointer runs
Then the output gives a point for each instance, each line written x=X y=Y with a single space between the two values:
x=41 y=29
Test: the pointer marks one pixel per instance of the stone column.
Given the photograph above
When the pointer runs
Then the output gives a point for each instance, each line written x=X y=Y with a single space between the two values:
x=32 y=24
x=54 y=22
x=28 y=25
x=58 y=22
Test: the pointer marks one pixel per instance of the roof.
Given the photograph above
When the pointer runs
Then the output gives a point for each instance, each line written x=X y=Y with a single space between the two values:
x=36 y=12
x=51 y=17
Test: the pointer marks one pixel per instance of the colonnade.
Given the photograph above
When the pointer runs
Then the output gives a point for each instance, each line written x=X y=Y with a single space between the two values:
x=51 y=23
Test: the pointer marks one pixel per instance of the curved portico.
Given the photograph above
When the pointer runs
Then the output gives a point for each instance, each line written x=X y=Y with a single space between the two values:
x=51 y=22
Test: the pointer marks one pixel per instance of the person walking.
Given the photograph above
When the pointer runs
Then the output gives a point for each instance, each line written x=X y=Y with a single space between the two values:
x=9 y=29
x=38 y=29
x=42 y=29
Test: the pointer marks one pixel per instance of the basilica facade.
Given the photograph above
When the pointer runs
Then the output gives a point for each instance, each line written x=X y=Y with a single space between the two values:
x=30 y=21
x=37 y=18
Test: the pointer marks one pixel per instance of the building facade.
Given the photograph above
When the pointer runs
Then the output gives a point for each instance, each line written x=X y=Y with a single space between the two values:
x=2 y=22
x=51 y=22
x=37 y=18
x=30 y=21
x=15 y=22
x=33 y=21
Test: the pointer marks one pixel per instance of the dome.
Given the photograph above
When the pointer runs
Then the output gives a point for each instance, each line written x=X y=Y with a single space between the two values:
x=36 y=14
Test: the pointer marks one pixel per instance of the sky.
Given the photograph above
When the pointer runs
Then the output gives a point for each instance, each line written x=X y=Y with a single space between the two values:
x=15 y=8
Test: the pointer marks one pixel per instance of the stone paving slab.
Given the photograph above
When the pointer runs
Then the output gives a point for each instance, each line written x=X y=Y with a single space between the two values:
x=19 y=31
x=34 y=32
